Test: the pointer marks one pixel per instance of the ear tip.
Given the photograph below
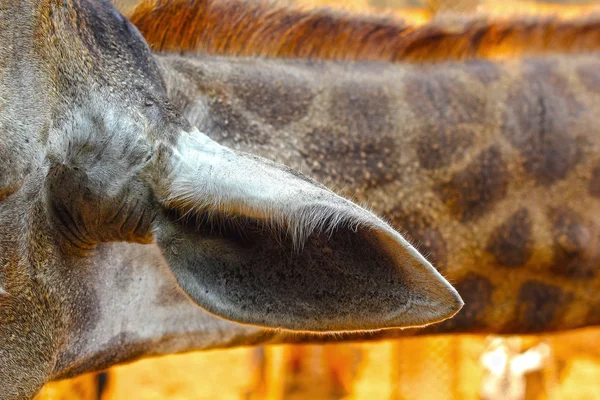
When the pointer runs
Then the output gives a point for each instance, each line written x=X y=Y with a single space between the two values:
x=454 y=302
x=432 y=310
x=446 y=304
x=439 y=299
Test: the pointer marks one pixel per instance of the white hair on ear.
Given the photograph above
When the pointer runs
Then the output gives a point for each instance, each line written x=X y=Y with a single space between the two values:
x=206 y=176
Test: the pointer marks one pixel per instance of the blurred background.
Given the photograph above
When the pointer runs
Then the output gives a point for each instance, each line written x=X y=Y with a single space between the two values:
x=561 y=366
x=565 y=366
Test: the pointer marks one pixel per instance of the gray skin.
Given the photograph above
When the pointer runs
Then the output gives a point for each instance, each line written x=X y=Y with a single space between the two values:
x=118 y=218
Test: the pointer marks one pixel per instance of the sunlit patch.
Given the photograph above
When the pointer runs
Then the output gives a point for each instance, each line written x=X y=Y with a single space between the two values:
x=439 y=367
x=506 y=367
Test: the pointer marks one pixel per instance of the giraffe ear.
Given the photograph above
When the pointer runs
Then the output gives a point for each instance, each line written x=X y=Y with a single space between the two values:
x=257 y=243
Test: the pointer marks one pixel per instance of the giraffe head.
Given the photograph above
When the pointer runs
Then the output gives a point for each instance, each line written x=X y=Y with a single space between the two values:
x=97 y=161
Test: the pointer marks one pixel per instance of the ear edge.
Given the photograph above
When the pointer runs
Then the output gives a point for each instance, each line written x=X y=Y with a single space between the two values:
x=432 y=298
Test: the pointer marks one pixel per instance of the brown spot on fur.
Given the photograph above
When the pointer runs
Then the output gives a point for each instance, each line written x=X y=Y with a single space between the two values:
x=594 y=187
x=474 y=190
x=576 y=245
x=361 y=109
x=589 y=74
x=511 y=242
x=254 y=28
x=539 y=306
x=476 y=292
x=420 y=230
x=278 y=102
x=537 y=122
x=359 y=146
x=448 y=110
x=227 y=124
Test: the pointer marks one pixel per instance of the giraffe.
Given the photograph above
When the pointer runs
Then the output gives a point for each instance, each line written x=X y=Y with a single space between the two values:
x=515 y=37
x=114 y=209
x=287 y=32
x=536 y=297
x=105 y=329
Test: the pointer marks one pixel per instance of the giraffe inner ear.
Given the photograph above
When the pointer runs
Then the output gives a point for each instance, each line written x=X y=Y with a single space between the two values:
x=257 y=243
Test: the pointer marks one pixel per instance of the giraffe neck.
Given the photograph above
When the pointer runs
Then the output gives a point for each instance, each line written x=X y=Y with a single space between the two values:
x=491 y=168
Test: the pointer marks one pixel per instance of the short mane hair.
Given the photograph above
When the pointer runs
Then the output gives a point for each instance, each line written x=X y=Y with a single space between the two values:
x=255 y=28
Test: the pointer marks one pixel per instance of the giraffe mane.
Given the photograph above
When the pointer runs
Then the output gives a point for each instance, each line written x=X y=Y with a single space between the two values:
x=258 y=28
